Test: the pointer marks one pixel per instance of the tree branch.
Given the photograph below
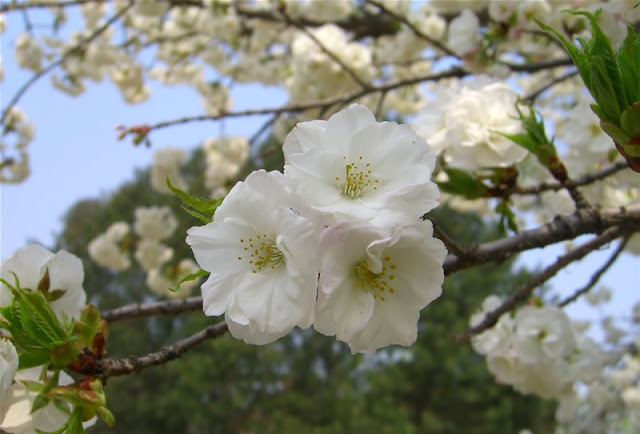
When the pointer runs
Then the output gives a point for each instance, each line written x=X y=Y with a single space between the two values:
x=116 y=367
x=139 y=310
x=524 y=291
x=597 y=275
x=562 y=228
x=97 y=32
x=43 y=4
x=584 y=180
x=413 y=28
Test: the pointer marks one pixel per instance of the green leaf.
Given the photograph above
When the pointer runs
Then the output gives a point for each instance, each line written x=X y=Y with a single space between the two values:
x=74 y=424
x=189 y=278
x=29 y=359
x=38 y=320
x=524 y=140
x=615 y=132
x=202 y=209
x=629 y=64
x=630 y=120
x=462 y=183
x=507 y=217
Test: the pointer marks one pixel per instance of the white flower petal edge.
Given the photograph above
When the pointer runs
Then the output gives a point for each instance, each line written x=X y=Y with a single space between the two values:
x=374 y=281
x=352 y=168
x=65 y=272
x=261 y=251
x=8 y=364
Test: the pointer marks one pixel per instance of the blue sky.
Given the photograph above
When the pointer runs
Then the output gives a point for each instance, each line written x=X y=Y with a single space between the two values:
x=76 y=155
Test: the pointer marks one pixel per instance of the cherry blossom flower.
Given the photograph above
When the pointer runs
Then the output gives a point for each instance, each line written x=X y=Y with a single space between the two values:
x=261 y=252
x=30 y=264
x=374 y=281
x=8 y=364
x=354 y=168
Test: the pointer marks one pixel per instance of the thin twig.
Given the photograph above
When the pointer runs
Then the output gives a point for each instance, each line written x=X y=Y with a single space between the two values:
x=597 y=275
x=116 y=367
x=584 y=180
x=533 y=95
x=419 y=33
x=524 y=291
x=61 y=60
x=43 y=4
x=300 y=107
x=328 y=52
x=165 y=308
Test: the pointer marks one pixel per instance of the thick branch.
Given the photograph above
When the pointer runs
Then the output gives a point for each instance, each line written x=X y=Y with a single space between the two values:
x=584 y=221
x=562 y=228
x=166 y=308
x=524 y=291
x=112 y=367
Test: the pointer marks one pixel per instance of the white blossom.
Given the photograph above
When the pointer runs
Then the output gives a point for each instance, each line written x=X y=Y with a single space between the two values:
x=261 y=252
x=354 y=168
x=160 y=281
x=106 y=249
x=15 y=408
x=166 y=164
x=469 y=128
x=463 y=34
x=151 y=254
x=8 y=364
x=30 y=264
x=154 y=222
x=374 y=282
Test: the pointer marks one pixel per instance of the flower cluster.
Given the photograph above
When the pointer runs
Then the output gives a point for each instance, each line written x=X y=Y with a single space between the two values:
x=336 y=241
x=225 y=156
x=152 y=226
x=17 y=133
x=166 y=164
x=59 y=277
x=537 y=350
x=468 y=127
x=106 y=249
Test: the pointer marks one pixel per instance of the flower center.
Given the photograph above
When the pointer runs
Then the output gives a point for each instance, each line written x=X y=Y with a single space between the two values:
x=357 y=180
x=261 y=252
x=378 y=284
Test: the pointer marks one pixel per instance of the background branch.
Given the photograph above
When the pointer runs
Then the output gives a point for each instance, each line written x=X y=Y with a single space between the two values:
x=116 y=367
x=597 y=275
x=61 y=60
x=524 y=291
x=562 y=228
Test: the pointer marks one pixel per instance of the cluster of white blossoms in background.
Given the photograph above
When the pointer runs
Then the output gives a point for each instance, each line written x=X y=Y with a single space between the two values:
x=31 y=265
x=538 y=350
x=336 y=241
x=166 y=164
x=225 y=157
x=467 y=126
x=107 y=249
x=152 y=226
x=18 y=132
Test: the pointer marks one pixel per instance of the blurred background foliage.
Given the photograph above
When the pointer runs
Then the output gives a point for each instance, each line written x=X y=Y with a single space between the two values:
x=304 y=382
